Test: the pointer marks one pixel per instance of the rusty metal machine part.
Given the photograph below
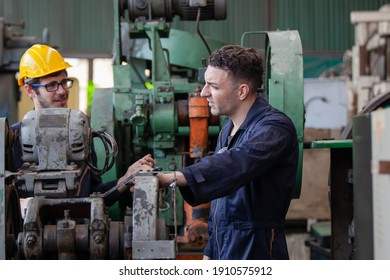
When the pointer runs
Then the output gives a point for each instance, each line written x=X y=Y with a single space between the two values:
x=82 y=231
x=196 y=230
x=198 y=108
x=55 y=142
x=148 y=240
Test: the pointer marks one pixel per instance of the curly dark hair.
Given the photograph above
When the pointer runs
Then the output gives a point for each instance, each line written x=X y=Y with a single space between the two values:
x=243 y=64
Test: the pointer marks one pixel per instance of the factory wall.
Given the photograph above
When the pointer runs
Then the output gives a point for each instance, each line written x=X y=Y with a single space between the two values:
x=85 y=28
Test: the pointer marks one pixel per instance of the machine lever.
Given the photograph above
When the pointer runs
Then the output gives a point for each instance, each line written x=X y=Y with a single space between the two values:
x=126 y=182
x=129 y=181
x=9 y=174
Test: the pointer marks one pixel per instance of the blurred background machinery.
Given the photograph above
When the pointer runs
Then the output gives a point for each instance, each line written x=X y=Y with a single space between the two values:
x=359 y=167
x=12 y=46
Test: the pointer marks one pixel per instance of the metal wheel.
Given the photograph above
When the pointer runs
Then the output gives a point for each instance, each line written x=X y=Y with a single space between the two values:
x=10 y=213
x=116 y=247
x=13 y=221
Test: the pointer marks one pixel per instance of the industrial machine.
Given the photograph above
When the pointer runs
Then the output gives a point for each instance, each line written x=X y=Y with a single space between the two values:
x=56 y=151
x=154 y=107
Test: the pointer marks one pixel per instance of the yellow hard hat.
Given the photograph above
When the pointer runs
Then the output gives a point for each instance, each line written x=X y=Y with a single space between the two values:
x=40 y=60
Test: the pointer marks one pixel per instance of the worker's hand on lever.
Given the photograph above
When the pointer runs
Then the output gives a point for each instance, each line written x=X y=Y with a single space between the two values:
x=144 y=164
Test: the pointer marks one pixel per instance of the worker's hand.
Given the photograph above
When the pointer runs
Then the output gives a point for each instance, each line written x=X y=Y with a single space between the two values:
x=144 y=164
x=206 y=258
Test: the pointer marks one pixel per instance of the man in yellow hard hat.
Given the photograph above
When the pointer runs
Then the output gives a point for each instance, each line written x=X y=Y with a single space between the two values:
x=43 y=74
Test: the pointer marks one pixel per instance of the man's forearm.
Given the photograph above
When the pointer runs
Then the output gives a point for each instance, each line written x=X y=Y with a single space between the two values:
x=165 y=179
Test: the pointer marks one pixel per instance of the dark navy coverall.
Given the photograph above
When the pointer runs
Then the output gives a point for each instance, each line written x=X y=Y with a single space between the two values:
x=249 y=183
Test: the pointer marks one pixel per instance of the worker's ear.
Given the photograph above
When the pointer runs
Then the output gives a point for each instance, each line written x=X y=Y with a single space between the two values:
x=243 y=91
x=29 y=90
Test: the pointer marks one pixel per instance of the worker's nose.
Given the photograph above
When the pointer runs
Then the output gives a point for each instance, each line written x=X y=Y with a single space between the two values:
x=61 y=89
x=205 y=92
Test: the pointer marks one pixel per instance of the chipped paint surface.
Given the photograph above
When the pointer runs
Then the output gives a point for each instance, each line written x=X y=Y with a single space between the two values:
x=145 y=208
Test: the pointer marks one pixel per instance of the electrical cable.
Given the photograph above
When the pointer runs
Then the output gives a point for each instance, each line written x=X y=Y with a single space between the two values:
x=200 y=34
x=111 y=151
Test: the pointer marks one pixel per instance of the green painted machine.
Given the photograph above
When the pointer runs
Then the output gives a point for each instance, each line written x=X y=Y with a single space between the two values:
x=283 y=81
x=155 y=106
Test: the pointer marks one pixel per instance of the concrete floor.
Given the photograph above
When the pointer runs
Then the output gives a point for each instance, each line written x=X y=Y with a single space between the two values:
x=296 y=246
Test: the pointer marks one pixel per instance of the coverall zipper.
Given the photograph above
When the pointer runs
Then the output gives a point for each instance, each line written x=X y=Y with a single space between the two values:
x=216 y=206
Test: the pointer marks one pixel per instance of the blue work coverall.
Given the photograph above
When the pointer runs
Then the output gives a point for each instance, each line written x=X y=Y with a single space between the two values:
x=249 y=183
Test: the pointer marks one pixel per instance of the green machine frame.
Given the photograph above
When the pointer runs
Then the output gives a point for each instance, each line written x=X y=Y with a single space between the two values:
x=142 y=111
x=283 y=81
